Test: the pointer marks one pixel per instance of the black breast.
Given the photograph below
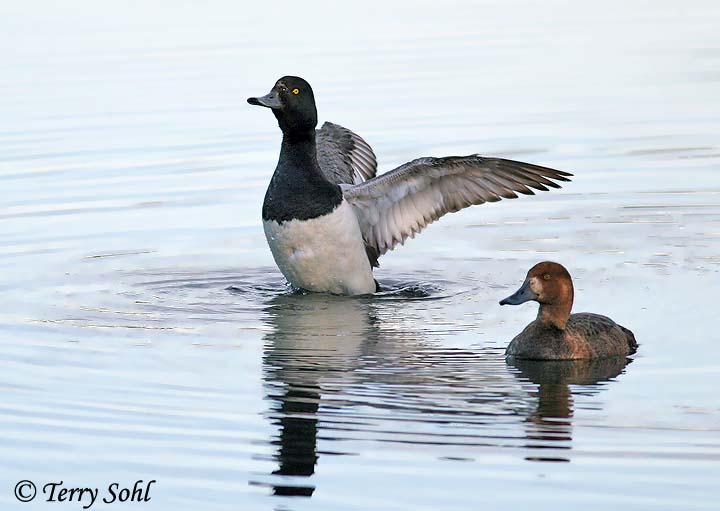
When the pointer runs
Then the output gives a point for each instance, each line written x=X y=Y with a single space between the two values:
x=294 y=195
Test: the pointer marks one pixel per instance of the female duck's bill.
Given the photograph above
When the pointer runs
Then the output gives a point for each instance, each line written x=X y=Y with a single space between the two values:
x=556 y=334
x=522 y=295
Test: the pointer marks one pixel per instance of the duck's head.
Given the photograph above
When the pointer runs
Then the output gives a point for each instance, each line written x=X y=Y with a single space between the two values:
x=292 y=102
x=550 y=285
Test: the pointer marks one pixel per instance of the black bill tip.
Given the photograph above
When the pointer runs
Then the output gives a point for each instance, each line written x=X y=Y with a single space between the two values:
x=269 y=100
x=522 y=295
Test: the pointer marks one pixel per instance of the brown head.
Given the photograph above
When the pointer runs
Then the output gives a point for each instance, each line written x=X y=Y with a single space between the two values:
x=550 y=285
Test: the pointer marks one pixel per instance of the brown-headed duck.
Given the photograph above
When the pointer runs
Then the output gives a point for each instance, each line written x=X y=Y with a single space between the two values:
x=556 y=334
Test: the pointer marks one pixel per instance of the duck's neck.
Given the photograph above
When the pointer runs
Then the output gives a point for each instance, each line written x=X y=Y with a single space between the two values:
x=298 y=189
x=299 y=153
x=554 y=314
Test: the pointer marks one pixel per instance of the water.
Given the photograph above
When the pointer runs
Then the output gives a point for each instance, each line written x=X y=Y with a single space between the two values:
x=146 y=333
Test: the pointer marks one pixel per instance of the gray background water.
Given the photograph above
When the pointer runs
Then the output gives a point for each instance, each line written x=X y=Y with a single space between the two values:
x=146 y=333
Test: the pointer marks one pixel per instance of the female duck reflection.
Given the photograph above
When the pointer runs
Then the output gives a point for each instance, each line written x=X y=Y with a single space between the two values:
x=550 y=425
x=322 y=348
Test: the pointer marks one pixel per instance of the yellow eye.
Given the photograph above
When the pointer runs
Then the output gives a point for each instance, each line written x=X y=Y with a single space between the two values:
x=546 y=276
x=296 y=91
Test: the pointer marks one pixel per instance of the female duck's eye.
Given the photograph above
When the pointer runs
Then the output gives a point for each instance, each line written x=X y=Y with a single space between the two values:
x=296 y=91
x=546 y=276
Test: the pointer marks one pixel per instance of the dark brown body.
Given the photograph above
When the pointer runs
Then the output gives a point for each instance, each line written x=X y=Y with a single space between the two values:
x=585 y=335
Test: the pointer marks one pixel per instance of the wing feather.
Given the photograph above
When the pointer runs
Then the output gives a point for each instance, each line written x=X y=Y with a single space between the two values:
x=397 y=205
x=344 y=157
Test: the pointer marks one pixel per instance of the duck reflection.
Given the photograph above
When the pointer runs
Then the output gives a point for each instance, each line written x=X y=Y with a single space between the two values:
x=314 y=338
x=347 y=366
x=549 y=426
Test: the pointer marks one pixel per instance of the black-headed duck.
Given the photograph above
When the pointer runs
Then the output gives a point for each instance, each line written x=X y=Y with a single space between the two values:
x=327 y=217
x=556 y=334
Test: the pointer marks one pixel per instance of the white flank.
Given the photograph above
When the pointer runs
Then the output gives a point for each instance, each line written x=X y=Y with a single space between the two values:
x=324 y=254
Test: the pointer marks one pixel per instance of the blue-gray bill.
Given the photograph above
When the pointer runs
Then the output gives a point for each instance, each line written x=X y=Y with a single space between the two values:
x=522 y=295
x=269 y=100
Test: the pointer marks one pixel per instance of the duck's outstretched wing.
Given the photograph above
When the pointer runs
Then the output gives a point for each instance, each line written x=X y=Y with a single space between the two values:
x=400 y=203
x=344 y=157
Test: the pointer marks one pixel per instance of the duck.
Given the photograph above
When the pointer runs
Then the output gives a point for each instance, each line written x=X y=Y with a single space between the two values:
x=556 y=334
x=328 y=217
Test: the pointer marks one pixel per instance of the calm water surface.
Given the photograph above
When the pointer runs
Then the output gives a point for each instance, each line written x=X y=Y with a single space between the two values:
x=146 y=334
